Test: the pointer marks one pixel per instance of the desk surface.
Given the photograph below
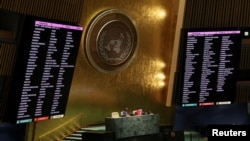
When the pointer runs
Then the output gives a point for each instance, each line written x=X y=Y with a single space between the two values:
x=133 y=126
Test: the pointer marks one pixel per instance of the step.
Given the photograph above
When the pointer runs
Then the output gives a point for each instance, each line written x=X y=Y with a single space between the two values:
x=73 y=138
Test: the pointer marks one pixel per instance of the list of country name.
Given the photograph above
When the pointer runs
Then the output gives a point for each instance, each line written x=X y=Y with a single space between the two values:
x=44 y=77
x=207 y=66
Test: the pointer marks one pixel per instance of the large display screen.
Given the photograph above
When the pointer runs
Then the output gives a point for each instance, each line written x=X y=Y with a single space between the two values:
x=210 y=60
x=43 y=71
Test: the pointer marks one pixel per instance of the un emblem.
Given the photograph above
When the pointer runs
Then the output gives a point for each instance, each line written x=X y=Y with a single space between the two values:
x=111 y=41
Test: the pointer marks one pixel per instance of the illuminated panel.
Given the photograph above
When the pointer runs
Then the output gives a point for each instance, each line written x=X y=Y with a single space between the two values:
x=44 y=69
x=209 y=74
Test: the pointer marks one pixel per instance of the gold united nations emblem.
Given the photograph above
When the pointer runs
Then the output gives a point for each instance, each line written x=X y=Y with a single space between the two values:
x=111 y=41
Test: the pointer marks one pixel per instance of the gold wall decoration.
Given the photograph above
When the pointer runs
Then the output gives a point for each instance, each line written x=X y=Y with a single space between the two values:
x=144 y=82
x=111 y=41
x=94 y=95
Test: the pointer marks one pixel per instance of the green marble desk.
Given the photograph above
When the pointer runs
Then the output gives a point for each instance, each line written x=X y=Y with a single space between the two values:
x=132 y=126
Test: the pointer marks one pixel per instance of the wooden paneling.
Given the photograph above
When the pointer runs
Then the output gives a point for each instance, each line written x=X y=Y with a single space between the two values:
x=66 y=10
x=7 y=52
x=216 y=13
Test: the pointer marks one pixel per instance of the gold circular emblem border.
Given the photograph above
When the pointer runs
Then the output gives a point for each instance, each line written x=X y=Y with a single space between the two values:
x=104 y=29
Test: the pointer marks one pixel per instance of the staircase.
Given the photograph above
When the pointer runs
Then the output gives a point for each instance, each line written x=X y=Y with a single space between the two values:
x=77 y=135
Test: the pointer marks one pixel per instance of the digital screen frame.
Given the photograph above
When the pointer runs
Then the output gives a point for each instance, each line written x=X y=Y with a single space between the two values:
x=43 y=71
x=209 y=63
